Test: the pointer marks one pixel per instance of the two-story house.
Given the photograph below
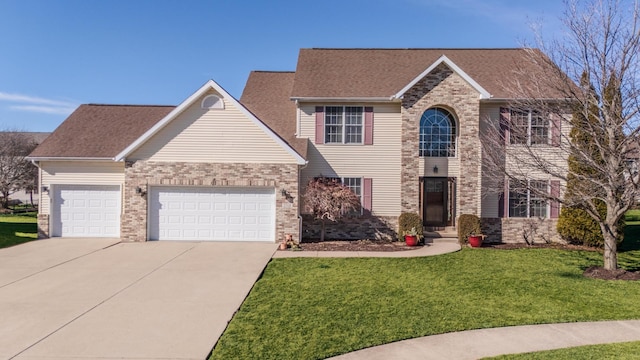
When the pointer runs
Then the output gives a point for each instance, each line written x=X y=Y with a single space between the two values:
x=401 y=127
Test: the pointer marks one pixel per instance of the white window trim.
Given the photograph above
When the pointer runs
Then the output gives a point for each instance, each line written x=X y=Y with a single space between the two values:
x=528 y=207
x=344 y=126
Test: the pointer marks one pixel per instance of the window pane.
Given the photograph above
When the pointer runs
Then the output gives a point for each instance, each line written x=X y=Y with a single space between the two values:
x=539 y=129
x=519 y=129
x=517 y=199
x=354 y=184
x=333 y=124
x=537 y=202
x=353 y=121
x=437 y=134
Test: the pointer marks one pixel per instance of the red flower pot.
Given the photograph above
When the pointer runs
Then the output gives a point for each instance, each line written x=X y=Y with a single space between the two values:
x=411 y=240
x=475 y=240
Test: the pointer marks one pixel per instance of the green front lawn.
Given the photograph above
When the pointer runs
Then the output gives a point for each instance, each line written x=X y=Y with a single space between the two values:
x=310 y=308
x=17 y=229
x=619 y=351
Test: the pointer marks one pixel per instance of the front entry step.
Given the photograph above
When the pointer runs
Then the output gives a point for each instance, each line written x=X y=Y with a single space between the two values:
x=446 y=234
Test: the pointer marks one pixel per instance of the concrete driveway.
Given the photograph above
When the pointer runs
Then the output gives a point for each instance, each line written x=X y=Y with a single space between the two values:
x=98 y=298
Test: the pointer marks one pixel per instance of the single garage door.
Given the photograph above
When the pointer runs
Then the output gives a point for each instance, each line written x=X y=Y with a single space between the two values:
x=224 y=214
x=86 y=210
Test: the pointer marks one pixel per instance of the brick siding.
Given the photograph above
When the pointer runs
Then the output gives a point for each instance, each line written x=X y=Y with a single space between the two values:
x=145 y=174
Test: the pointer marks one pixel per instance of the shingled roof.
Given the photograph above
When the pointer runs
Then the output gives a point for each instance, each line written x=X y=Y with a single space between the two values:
x=267 y=96
x=100 y=131
x=381 y=73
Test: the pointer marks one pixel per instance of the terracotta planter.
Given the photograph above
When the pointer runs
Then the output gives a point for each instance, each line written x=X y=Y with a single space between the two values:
x=411 y=240
x=283 y=246
x=475 y=240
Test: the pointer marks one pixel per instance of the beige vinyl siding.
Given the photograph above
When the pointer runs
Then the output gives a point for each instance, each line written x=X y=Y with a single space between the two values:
x=213 y=135
x=380 y=161
x=78 y=173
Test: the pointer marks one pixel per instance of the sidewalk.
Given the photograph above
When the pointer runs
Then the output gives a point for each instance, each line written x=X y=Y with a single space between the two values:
x=437 y=248
x=476 y=344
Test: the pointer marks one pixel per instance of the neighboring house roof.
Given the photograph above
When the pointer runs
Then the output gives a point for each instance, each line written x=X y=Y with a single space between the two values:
x=37 y=137
x=267 y=95
x=100 y=131
x=383 y=73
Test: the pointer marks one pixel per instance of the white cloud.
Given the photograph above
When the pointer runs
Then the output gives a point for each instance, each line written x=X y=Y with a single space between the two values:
x=63 y=110
x=21 y=102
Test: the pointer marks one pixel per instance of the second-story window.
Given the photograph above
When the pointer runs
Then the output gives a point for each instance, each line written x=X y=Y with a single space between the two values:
x=343 y=124
x=529 y=128
x=437 y=133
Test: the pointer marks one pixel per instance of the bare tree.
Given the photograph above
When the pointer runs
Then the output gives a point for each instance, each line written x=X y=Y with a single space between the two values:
x=16 y=172
x=328 y=199
x=593 y=73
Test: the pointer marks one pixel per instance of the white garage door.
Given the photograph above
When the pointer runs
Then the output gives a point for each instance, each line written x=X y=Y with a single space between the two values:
x=225 y=214
x=86 y=210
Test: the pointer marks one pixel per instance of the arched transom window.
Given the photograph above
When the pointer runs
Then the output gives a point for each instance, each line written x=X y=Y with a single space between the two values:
x=437 y=133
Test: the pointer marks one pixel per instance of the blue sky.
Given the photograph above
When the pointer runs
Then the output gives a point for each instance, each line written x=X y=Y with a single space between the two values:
x=55 y=55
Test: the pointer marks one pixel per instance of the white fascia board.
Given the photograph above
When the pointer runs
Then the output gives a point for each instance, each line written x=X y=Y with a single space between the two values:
x=63 y=158
x=346 y=99
x=190 y=101
x=484 y=94
x=528 y=99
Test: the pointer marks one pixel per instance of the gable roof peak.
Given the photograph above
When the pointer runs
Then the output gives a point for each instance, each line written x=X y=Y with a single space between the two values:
x=484 y=94
x=209 y=85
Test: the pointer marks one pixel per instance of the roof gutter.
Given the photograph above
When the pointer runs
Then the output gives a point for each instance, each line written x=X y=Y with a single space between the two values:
x=68 y=158
x=502 y=100
x=344 y=99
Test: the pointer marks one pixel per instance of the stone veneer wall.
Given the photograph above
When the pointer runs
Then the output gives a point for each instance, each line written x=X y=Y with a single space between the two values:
x=43 y=226
x=444 y=88
x=354 y=228
x=520 y=230
x=144 y=174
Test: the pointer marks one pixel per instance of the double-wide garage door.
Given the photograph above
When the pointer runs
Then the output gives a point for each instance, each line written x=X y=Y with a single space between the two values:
x=86 y=210
x=203 y=213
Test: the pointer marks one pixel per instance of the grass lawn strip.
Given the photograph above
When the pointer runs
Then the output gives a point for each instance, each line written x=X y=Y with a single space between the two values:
x=619 y=351
x=17 y=229
x=306 y=308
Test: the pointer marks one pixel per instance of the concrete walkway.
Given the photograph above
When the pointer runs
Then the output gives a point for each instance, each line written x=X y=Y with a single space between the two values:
x=437 y=248
x=476 y=344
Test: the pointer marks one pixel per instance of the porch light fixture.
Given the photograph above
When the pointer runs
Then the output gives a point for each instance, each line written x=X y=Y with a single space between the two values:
x=140 y=192
x=286 y=195
x=45 y=189
x=435 y=169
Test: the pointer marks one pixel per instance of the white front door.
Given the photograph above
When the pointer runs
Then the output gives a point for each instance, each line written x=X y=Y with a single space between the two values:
x=86 y=210
x=212 y=213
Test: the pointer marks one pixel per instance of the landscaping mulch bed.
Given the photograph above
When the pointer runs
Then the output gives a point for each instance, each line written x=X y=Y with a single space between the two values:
x=356 y=245
x=598 y=272
x=594 y=272
x=512 y=246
